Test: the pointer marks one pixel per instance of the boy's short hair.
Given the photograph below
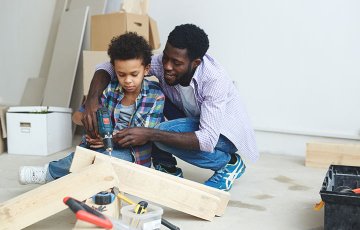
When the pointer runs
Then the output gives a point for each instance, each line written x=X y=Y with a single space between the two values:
x=129 y=46
x=190 y=37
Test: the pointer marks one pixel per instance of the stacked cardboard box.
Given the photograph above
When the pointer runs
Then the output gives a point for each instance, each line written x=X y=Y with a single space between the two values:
x=105 y=26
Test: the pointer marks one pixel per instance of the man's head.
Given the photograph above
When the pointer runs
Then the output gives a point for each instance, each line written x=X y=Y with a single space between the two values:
x=130 y=54
x=184 y=50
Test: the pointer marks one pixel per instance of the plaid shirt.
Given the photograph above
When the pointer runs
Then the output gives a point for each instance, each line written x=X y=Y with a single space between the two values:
x=148 y=113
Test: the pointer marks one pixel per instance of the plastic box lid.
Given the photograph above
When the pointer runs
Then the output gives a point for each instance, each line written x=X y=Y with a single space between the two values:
x=38 y=109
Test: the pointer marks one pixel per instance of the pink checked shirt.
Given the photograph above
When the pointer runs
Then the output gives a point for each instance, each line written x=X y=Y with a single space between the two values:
x=222 y=111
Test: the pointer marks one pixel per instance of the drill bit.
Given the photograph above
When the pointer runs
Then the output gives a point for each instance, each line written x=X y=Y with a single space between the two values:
x=109 y=150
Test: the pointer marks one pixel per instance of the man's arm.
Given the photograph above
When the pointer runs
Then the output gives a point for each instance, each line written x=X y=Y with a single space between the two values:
x=99 y=82
x=139 y=136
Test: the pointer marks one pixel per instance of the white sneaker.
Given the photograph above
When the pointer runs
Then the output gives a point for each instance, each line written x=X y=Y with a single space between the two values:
x=33 y=174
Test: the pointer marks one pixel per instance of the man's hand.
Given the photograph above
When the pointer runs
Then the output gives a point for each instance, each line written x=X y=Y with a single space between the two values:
x=94 y=142
x=99 y=82
x=89 y=117
x=133 y=136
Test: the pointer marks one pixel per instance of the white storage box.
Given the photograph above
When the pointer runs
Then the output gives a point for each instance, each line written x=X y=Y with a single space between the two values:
x=38 y=130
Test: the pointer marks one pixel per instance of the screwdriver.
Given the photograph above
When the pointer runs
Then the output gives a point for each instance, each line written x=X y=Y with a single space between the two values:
x=164 y=222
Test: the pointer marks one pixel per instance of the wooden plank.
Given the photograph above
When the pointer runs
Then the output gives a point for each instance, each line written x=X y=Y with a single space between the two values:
x=3 y=110
x=46 y=200
x=134 y=177
x=96 y=7
x=90 y=60
x=321 y=155
x=59 y=9
x=65 y=59
x=87 y=159
x=3 y=133
x=34 y=92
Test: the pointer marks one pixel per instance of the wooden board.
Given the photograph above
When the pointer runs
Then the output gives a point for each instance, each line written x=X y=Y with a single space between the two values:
x=46 y=200
x=3 y=133
x=95 y=7
x=60 y=7
x=177 y=187
x=90 y=60
x=34 y=92
x=65 y=58
x=322 y=155
x=3 y=110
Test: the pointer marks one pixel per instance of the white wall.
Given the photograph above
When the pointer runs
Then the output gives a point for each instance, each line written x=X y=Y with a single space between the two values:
x=294 y=62
x=24 y=27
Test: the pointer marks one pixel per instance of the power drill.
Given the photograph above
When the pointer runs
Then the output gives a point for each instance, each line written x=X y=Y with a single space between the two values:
x=105 y=128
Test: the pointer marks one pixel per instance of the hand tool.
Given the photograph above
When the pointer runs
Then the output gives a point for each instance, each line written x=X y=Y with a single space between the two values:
x=140 y=208
x=103 y=198
x=347 y=189
x=86 y=213
x=117 y=193
x=105 y=128
x=164 y=222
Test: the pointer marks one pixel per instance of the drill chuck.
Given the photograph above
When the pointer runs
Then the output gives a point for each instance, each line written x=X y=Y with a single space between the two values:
x=108 y=144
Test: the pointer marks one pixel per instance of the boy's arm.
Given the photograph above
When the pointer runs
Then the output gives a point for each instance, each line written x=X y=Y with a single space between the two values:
x=99 y=82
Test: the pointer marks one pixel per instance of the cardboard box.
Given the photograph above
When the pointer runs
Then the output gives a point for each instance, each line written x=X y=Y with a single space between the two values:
x=105 y=26
x=38 y=130
x=154 y=38
x=90 y=60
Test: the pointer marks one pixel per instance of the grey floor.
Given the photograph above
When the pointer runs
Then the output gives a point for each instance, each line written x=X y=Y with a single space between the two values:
x=278 y=192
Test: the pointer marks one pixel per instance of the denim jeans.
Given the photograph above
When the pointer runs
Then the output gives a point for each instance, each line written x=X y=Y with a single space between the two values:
x=162 y=154
x=61 y=167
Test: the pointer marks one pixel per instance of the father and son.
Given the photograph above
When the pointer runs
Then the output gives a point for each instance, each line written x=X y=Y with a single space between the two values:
x=193 y=112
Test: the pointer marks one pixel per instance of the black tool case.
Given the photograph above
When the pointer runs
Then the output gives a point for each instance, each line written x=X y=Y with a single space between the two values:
x=342 y=207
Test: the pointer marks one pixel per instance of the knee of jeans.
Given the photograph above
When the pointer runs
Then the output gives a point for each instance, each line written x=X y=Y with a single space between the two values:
x=162 y=126
x=157 y=126
x=160 y=145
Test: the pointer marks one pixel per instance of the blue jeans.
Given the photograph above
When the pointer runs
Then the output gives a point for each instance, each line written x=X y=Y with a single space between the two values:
x=162 y=154
x=61 y=167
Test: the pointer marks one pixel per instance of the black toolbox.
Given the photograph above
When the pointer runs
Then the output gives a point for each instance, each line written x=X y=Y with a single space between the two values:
x=342 y=205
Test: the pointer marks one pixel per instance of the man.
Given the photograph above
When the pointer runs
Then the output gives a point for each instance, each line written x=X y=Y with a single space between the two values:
x=215 y=125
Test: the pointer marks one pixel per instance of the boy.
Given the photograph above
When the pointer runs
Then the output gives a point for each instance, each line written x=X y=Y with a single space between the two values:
x=131 y=100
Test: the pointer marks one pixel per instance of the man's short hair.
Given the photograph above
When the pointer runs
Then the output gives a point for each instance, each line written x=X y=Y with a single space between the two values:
x=130 y=46
x=190 y=37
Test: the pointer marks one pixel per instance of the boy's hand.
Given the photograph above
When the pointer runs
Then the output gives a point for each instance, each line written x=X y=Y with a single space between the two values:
x=94 y=142
x=132 y=136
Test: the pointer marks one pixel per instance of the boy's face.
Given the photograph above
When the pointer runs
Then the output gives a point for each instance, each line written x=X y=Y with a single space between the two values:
x=130 y=74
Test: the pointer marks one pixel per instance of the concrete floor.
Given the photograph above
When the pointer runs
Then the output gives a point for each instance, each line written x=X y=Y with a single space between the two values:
x=278 y=192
